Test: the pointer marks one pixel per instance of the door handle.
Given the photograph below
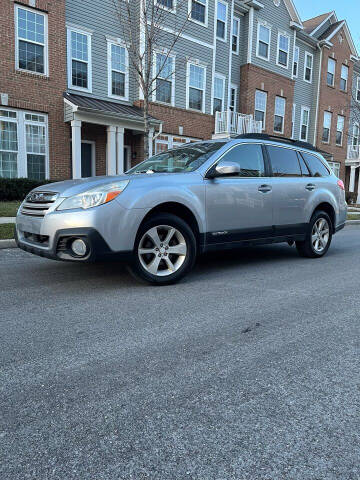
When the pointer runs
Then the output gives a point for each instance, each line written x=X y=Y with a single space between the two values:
x=310 y=187
x=264 y=188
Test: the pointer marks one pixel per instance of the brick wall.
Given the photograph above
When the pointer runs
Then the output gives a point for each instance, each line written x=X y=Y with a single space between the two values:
x=36 y=92
x=332 y=99
x=197 y=125
x=97 y=134
x=254 y=78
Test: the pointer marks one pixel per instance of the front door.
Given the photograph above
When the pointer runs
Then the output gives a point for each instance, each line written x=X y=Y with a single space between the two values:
x=86 y=160
x=240 y=207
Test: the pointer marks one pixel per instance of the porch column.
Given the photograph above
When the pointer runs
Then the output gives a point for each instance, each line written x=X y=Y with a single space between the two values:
x=151 y=139
x=352 y=178
x=120 y=149
x=111 y=151
x=358 y=195
x=76 y=148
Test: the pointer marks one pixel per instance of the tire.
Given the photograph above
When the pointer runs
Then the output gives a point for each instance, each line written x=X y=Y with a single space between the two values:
x=164 y=251
x=317 y=242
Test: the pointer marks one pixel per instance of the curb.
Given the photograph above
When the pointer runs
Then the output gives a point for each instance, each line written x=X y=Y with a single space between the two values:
x=353 y=222
x=8 y=244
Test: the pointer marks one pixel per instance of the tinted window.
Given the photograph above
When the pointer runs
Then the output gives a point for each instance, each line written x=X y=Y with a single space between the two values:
x=317 y=168
x=304 y=169
x=284 y=162
x=249 y=157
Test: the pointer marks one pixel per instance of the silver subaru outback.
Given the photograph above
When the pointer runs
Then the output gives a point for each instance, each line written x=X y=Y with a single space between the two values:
x=255 y=189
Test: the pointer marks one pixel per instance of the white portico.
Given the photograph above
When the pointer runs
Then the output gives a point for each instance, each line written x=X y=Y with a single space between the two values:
x=124 y=129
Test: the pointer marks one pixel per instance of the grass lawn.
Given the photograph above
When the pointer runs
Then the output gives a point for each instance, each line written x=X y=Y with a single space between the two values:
x=6 y=231
x=352 y=216
x=9 y=209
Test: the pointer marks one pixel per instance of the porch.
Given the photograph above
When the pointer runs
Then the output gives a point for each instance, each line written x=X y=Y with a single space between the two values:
x=352 y=165
x=106 y=137
x=229 y=123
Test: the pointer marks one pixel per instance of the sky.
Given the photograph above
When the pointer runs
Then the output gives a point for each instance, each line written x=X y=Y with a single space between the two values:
x=348 y=10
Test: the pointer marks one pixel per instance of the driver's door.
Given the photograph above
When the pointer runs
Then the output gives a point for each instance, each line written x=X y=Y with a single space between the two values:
x=240 y=207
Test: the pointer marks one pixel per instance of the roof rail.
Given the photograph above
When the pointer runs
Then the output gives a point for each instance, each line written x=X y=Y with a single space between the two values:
x=275 y=138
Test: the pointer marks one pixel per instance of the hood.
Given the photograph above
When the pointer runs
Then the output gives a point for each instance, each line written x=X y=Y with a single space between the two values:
x=68 y=188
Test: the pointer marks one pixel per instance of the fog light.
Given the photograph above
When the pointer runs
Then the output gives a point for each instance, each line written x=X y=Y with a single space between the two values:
x=79 y=247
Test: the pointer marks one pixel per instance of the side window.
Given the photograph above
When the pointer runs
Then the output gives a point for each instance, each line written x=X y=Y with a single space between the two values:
x=304 y=168
x=249 y=157
x=317 y=168
x=284 y=162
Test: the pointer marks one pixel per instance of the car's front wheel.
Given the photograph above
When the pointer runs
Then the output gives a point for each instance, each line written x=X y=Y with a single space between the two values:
x=318 y=237
x=164 y=251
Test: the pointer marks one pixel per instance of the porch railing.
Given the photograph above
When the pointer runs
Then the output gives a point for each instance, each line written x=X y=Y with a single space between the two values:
x=353 y=152
x=234 y=123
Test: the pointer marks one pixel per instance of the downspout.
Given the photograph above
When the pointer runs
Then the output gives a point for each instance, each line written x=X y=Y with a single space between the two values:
x=230 y=55
x=250 y=35
x=318 y=96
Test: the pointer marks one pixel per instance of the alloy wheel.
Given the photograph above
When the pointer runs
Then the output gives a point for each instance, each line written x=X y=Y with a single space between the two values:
x=162 y=250
x=320 y=235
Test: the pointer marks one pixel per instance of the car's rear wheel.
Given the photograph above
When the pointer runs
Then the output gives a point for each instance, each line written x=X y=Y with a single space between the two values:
x=164 y=251
x=318 y=237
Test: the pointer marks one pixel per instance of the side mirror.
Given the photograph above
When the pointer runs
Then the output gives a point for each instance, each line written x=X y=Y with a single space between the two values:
x=224 y=167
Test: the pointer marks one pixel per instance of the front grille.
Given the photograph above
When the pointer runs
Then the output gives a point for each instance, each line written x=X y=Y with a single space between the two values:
x=36 y=204
x=35 y=238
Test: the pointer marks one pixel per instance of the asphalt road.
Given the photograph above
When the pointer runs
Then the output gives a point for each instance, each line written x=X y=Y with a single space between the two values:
x=248 y=370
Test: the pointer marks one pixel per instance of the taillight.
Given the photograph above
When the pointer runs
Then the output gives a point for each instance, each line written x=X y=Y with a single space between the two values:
x=341 y=184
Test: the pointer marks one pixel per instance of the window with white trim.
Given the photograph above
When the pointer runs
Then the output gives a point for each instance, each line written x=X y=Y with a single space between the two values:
x=293 y=119
x=198 y=11
x=166 y=142
x=196 y=87
x=219 y=93
x=263 y=41
x=165 y=69
x=308 y=67
x=221 y=20
x=327 y=127
x=233 y=98
x=167 y=4
x=335 y=167
x=283 y=50
x=23 y=144
x=340 y=130
x=357 y=89
x=260 y=107
x=279 y=116
x=330 y=79
x=235 y=38
x=118 y=68
x=31 y=40
x=356 y=135
x=79 y=60
x=296 y=62
x=304 y=124
x=344 y=78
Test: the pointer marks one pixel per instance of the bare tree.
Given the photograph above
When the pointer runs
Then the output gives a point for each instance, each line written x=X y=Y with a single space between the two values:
x=147 y=26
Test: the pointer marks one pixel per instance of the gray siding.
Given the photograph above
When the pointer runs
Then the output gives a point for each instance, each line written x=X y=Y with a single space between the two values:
x=279 y=20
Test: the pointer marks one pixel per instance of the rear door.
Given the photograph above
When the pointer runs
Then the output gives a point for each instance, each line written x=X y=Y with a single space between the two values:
x=289 y=190
x=240 y=207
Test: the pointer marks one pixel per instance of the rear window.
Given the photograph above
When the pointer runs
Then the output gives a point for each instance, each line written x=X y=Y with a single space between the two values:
x=316 y=166
x=284 y=162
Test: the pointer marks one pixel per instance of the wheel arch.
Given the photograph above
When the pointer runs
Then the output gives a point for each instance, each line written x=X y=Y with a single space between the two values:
x=329 y=209
x=181 y=211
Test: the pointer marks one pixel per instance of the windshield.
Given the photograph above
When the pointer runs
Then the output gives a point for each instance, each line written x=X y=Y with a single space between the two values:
x=178 y=160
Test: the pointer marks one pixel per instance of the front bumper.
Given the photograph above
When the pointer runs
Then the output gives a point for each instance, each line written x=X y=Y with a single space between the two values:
x=98 y=249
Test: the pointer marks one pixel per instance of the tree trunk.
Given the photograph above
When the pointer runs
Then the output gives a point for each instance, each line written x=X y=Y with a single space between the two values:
x=146 y=127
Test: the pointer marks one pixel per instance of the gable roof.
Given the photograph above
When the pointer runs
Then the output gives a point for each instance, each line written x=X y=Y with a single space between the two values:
x=334 y=28
x=312 y=24
x=294 y=15
x=331 y=30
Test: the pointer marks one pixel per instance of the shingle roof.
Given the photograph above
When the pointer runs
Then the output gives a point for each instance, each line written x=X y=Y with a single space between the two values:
x=312 y=23
x=106 y=107
x=330 y=30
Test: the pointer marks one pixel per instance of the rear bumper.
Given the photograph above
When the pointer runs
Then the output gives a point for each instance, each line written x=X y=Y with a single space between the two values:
x=98 y=249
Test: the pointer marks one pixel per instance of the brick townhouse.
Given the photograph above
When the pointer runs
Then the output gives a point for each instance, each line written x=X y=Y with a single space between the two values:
x=238 y=66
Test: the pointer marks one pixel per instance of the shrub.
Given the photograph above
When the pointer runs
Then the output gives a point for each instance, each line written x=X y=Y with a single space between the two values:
x=351 y=197
x=18 y=188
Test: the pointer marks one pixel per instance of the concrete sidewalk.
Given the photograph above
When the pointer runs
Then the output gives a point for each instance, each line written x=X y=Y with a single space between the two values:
x=7 y=220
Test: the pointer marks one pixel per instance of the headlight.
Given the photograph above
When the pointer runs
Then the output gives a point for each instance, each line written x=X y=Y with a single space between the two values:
x=94 y=197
